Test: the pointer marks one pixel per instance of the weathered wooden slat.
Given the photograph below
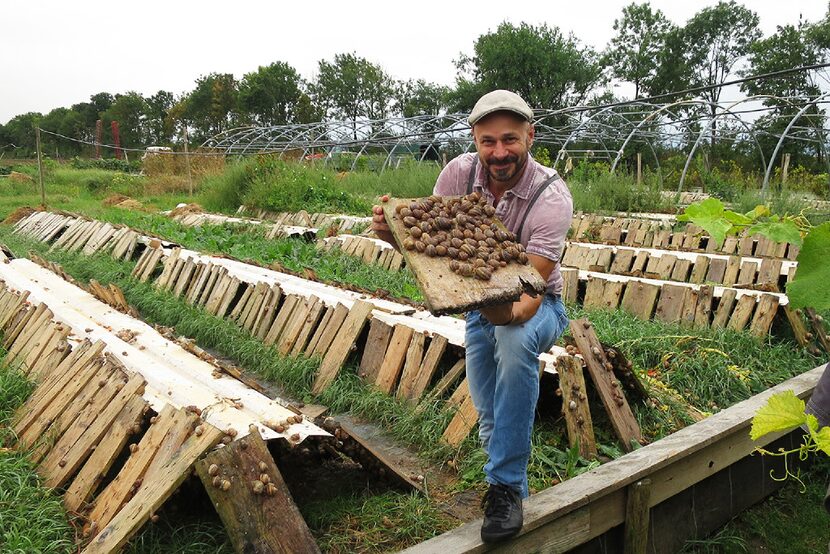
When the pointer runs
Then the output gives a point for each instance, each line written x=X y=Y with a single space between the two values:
x=249 y=513
x=289 y=304
x=429 y=366
x=335 y=324
x=639 y=299
x=342 y=344
x=461 y=424
x=412 y=365
x=393 y=361
x=743 y=312
x=725 y=307
x=153 y=495
x=619 y=412
x=311 y=323
x=764 y=315
x=376 y=344
x=575 y=406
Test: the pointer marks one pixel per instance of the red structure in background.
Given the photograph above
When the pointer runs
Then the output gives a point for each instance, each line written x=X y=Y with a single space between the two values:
x=116 y=139
x=99 y=136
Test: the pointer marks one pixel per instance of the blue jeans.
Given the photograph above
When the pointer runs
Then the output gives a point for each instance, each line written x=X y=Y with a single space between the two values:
x=503 y=374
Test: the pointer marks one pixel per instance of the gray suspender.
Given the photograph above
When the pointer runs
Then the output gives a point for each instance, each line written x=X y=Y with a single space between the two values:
x=532 y=202
x=472 y=177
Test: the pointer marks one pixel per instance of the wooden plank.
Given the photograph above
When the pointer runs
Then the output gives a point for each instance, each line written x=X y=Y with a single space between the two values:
x=733 y=266
x=769 y=273
x=687 y=314
x=570 y=284
x=52 y=404
x=170 y=282
x=747 y=274
x=243 y=300
x=743 y=311
x=725 y=307
x=575 y=406
x=289 y=304
x=265 y=311
x=612 y=294
x=341 y=346
x=640 y=261
x=798 y=326
x=227 y=297
x=184 y=277
x=670 y=305
x=150 y=498
x=184 y=423
x=412 y=365
x=665 y=265
x=103 y=411
x=461 y=424
x=594 y=290
x=85 y=484
x=127 y=481
x=701 y=266
x=315 y=338
x=447 y=292
x=681 y=270
x=376 y=344
x=311 y=323
x=217 y=276
x=429 y=366
x=622 y=261
x=296 y=324
x=23 y=327
x=637 y=517
x=200 y=280
x=609 y=389
x=717 y=270
x=703 y=312
x=249 y=313
x=639 y=299
x=249 y=513
x=764 y=315
x=335 y=324
x=393 y=362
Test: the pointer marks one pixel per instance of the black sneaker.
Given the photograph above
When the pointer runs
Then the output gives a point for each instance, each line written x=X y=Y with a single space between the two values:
x=502 y=513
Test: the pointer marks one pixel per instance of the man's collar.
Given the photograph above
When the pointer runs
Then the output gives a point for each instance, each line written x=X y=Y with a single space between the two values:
x=522 y=188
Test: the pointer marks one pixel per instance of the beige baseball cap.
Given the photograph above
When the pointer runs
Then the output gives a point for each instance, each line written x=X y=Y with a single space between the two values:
x=497 y=101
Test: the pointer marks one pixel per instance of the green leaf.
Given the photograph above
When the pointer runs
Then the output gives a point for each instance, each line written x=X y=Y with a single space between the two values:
x=736 y=218
x=812 y=424
x=810 y=288
x=759 y=211
x=783 y=230
x=781 y=412
x=822 y=439
x=709 y=215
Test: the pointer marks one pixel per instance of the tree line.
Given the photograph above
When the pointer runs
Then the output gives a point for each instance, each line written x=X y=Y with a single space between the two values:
x=547 y=67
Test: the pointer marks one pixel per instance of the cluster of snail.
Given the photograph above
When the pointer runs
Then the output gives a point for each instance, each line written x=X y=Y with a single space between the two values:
x=463 y=230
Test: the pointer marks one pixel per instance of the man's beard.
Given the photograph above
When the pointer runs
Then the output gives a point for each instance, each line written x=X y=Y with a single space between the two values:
x=506 y=174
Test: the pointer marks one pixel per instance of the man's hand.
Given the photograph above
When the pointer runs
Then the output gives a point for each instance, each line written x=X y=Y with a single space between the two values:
x=379 y=225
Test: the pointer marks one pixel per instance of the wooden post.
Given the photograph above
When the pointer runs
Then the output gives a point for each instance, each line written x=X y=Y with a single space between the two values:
x=636 y=517
x=639 y=168
x=40 y=167
x=187 y=163
x=575 y=406
x=252 y=500
x=785 y=169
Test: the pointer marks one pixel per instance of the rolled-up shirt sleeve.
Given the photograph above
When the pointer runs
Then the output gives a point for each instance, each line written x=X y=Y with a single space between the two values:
x=548 y=224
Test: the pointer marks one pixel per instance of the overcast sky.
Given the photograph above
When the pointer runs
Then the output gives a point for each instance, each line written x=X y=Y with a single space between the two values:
x=58 y=53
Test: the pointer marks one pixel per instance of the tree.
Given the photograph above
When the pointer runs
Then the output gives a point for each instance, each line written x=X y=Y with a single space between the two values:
x=352 y=87
x=20 y=131
x=157 y=107
x=270 y=94
x=212 y=106
x=129 y=111
x=715 y=39
x=420 y=98
x=307 y=111
x=640 y=38
x=64 y=121
x=546 y=68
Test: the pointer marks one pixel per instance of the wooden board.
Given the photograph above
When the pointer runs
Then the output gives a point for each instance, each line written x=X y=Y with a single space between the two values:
x=577 y=415
x=394 y=359
x=639 y=299
x=256 y=523
x=448 y=293
x=412 y=365
x=616 y=405
x=670 y=305
x=428 y=367
x=764 y=314
x=340 y=348
x=150 y=498
x=461 y=424
x=724 y=309
x=375 y=349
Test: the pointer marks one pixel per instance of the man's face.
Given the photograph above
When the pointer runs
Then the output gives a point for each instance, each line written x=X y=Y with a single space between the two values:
x=503 y=141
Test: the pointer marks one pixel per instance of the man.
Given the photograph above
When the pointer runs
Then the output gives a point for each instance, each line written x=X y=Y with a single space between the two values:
x=503 y=342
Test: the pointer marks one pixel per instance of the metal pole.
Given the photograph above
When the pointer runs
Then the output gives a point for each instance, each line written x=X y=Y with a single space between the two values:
x=40 y=167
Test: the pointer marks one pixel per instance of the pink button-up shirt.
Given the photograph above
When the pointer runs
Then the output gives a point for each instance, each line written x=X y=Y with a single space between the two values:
x=547 y=223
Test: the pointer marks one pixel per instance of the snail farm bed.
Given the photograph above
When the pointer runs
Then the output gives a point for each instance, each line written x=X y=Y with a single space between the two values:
x=652 y=500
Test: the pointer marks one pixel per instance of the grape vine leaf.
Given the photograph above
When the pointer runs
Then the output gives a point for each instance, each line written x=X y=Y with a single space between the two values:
x=778 y=230
x=810 y=285
x=759 y=211
x=822 y=439
x=709 y=215
x=782 y=411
